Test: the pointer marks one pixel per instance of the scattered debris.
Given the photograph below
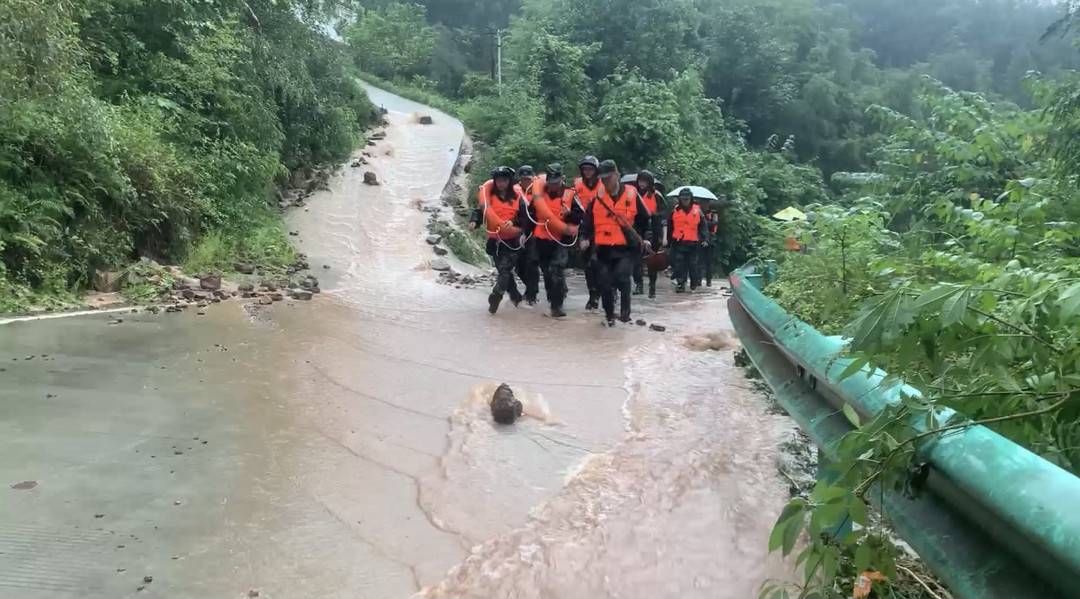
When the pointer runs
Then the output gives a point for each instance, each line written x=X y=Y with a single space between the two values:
x=658 y=328
x=641 y=323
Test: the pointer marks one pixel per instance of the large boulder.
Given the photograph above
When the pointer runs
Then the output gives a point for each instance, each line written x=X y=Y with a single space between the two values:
x=505 y=408
x=440 y=250
x=210 y=282
x=244 y=268
x=440 y=265
x=108 y=281
x=433 y=239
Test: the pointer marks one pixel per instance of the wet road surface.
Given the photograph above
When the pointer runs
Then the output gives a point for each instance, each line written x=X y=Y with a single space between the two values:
x=342 y=447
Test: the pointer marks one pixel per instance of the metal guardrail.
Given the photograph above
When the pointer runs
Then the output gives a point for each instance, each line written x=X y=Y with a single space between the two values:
x=994 y=520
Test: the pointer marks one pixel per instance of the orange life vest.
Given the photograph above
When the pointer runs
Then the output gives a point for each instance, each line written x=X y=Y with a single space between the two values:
x=650 y=203
x=537 y=186
x=684 y=224
x=549 y=214
x=484 y=194
x=606 y=228
x=499 y=217
x=585 y=194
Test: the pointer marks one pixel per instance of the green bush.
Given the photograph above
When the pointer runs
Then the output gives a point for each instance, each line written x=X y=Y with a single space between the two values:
x=133 y=128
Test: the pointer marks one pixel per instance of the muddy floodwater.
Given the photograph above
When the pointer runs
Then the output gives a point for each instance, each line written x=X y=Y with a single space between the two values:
x=343 y=447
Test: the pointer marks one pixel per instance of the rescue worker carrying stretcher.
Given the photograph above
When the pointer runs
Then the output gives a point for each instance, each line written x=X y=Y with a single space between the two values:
x=556 y=216
x=616 y=224
x=504 y=214
x=688 y=233
x=587 y=187
x=654 y=204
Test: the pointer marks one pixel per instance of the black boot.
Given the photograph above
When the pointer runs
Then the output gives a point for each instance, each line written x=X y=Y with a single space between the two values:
x=624 y=317
x=638 y=290
x=493 y=302
x=557 y=312
x=592 y=304
x=681 y=288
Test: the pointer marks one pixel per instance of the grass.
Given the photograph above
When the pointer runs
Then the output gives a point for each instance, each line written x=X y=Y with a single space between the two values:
x=467 y=248
x=262 y=243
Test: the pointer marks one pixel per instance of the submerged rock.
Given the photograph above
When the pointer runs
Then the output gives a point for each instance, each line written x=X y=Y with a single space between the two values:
x=426 y=120
x=505 y=408
x=370 y=178
x=658 y=328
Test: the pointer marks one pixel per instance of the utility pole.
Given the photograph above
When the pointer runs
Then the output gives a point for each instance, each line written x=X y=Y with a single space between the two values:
x=498 y=59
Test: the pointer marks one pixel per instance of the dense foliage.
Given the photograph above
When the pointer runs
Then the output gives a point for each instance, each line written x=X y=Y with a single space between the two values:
x=132 y=128
x=956 y=268
x=756 y=99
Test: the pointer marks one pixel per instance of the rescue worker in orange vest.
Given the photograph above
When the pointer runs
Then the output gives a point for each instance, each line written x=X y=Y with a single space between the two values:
x=712 y=222
x=617 y=225
x=506 y=219
x=654 y=203
x=587 y=187
x=528 y=268
x=557 y=216
x=688 y=232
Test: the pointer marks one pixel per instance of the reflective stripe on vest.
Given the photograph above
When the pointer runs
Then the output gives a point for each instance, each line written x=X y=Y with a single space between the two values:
x=684 y=224
x=549 y=212
x=585 y=194
x=606 y=228
x=498 y=214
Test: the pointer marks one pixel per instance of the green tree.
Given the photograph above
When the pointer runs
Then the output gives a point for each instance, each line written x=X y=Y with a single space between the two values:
x=392 y=41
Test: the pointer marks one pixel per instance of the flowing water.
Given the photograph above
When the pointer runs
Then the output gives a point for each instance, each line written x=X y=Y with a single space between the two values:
x=349 y=449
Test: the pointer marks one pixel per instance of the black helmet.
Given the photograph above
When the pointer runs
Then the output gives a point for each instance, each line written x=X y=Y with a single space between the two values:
x=526 y=171
x=502 y=171
x=608 y=166
x=553 y=171
x=647 y=176
x=589 y=161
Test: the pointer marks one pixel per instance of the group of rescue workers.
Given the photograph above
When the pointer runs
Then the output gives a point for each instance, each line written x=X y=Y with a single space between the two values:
x=536 y=223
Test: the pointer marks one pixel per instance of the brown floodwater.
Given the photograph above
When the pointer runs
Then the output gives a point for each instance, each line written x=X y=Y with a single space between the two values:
x=349 y=448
